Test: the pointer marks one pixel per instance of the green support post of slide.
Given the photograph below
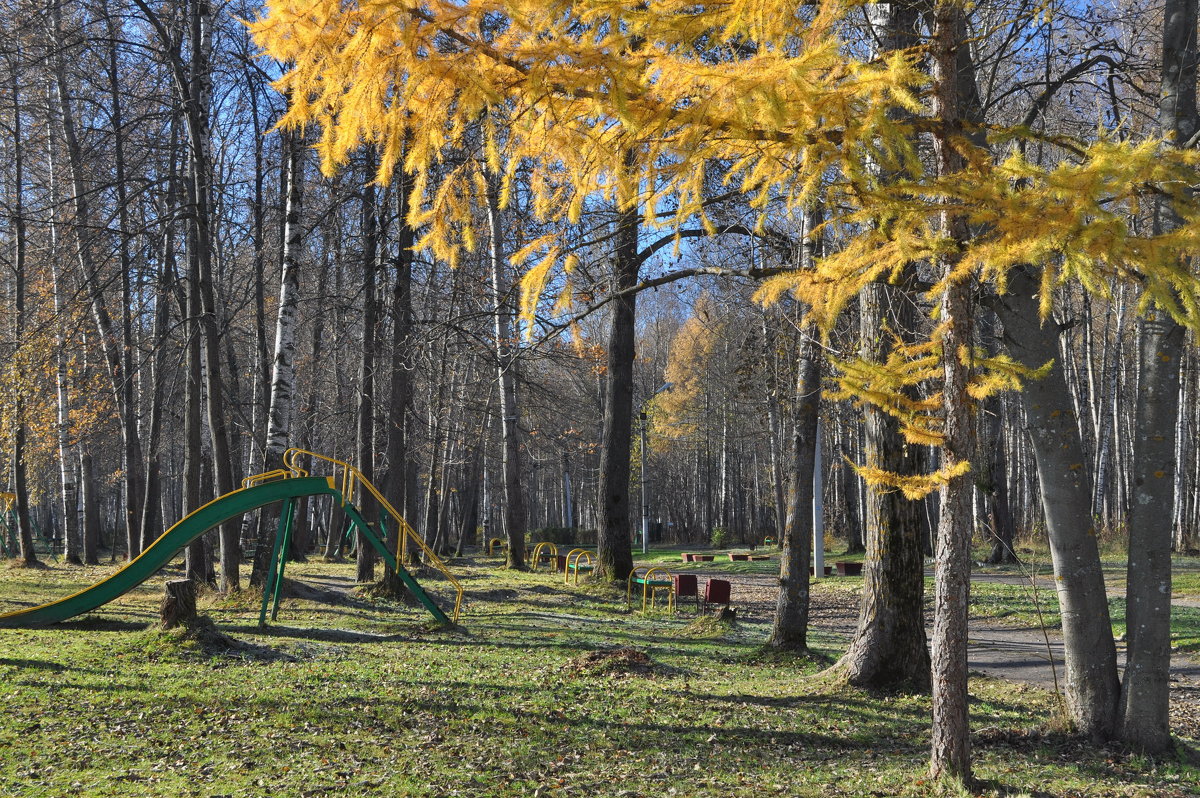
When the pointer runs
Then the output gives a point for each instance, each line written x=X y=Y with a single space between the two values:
x=288 y=521
x=278 y=554
x=413 y=586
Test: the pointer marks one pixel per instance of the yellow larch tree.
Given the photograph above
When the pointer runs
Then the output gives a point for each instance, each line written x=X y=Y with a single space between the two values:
x=641 y=104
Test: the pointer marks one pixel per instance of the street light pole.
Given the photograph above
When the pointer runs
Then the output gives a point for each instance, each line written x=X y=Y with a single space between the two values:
x=645 y=507
x=818 y=511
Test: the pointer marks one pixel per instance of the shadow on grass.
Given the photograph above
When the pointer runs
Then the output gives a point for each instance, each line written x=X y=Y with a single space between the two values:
x=99 y=623
x=314 y=634
x=33 y=664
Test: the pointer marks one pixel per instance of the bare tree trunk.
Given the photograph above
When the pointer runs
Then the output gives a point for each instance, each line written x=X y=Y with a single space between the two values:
x=67 y=457
x=282 y=368
x=196 y=100
x=20 y=485
x=91 y=509
x=992 y=481
x=790 y=629
x=515 y=520
x=365 y=433
x=398 y=453
x=888 y=648
x=780 y=503
x=151 y=505
x=1146 y=686
x=134 y=479
x=614 y=552
x=951 y=743
x=1092 y=687
x=120 y=379
x=196 y=555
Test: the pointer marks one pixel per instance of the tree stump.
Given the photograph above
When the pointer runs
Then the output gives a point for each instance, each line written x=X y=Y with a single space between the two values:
x=178 y=604
x=726 y=616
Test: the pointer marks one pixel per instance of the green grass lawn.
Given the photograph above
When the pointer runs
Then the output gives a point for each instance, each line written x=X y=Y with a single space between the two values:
x=365 y=698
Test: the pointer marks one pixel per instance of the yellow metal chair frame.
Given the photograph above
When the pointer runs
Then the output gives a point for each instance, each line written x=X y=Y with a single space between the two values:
x=651 y=587
x=546 y=547
x=495 y=543
x=575 y=564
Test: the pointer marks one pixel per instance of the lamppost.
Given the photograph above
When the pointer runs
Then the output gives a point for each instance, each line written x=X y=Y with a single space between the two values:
x=818 y=511
x=645 y=507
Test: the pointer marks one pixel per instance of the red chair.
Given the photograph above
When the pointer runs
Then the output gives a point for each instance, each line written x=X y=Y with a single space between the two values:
x=686 y=586
x=716 y=591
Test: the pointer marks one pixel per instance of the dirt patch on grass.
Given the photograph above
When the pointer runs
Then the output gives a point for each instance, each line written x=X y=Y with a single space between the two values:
x=611 y=662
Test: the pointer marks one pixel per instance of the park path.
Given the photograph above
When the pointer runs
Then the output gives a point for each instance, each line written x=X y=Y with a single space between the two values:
x=1004 y=651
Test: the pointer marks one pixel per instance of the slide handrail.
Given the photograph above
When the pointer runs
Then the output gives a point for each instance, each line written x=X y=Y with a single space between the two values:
x=352 y=479
x=271 y=476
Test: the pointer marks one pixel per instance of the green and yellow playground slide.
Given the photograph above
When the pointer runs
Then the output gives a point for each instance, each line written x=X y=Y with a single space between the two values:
x=347 y=485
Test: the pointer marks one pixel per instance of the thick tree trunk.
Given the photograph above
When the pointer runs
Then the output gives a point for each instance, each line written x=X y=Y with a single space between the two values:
x=791 y=610
x=1092 y=687
x=1146 y=685
x=951 y=736
x=888 y=648
x=614 y=552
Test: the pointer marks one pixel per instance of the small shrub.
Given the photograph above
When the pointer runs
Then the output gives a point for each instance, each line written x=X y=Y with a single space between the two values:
x=719 y=537
x=558 y=535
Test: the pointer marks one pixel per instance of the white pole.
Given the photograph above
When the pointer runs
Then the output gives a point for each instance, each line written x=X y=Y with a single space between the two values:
x=818 y=511
x=568 y=510
x=645 y=507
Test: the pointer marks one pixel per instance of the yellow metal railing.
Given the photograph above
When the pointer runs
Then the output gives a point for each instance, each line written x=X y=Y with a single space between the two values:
x=352 y=479
x=578 y=560
x=652 y=581
x=547 y=549
x=272 y=476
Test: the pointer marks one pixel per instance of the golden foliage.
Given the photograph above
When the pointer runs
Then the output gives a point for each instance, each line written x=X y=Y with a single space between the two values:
x=639 y=104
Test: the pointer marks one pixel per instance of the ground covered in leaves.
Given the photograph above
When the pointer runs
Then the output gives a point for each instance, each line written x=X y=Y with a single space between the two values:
x=545 y=689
